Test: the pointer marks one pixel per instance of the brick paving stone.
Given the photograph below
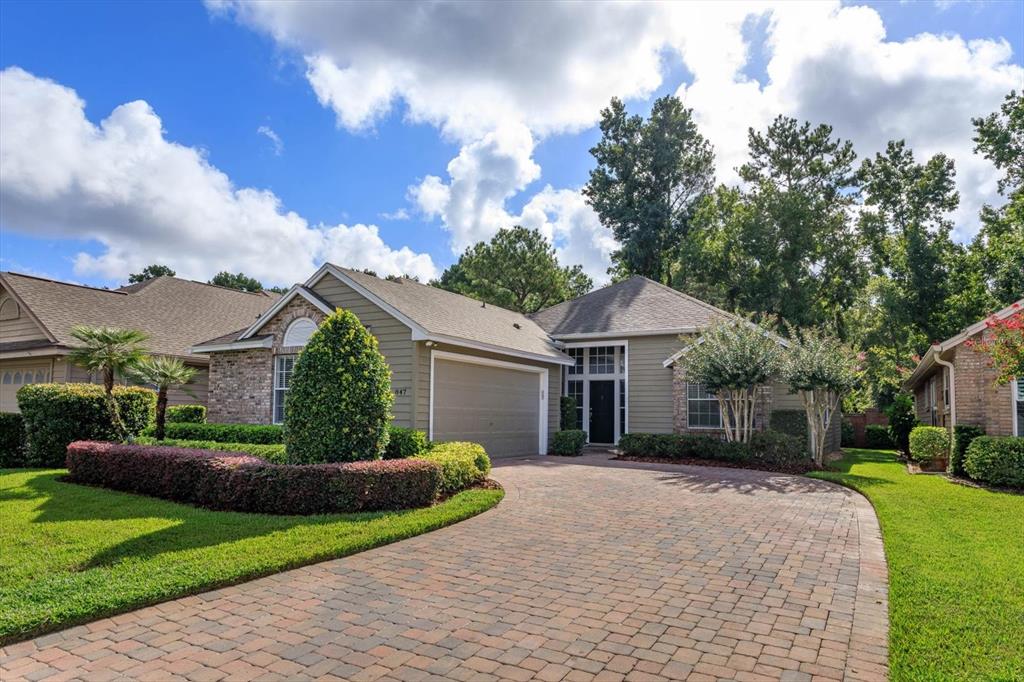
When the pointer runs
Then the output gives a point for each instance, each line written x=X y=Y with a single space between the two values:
x=590 y=569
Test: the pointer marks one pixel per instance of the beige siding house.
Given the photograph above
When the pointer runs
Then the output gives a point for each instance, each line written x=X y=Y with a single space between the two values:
x=464 y=370
x=37 y=316
x=954 y=384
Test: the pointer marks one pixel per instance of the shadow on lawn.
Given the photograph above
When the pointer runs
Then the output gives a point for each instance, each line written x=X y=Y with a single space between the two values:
x=194 y=527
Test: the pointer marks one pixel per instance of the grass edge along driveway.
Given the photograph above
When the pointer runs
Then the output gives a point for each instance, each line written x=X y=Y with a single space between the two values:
x=75 y=553
x=956 y=570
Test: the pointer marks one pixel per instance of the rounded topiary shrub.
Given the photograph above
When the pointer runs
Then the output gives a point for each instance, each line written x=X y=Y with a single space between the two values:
x=928 y=443
x=186 y=414
x=996 y=460
x=338 y=405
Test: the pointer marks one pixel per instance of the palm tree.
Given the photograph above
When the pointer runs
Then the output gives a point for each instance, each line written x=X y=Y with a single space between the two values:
x=111 y=351
x=165 y=372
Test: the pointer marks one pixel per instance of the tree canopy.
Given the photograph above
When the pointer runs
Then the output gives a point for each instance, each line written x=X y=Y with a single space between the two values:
x=149 y=272
x=518 y=270
x=240 y=281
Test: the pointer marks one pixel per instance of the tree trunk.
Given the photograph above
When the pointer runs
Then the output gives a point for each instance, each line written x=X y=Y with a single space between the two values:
x=161 y=411
x=120 y=431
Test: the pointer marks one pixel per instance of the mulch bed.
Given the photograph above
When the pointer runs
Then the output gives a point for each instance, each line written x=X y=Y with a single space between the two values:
x=796 y=470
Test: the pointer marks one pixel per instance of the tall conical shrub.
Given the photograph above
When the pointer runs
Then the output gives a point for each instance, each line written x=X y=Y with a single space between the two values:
x=338 y=404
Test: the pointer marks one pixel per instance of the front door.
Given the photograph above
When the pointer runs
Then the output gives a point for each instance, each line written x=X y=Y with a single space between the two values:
x=602 y=411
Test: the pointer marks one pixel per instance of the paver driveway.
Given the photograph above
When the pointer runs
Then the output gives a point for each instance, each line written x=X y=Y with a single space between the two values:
x=589 y=569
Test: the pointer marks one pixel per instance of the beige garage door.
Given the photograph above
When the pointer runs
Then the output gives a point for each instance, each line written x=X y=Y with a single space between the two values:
x=15 y=375
x=494 y=406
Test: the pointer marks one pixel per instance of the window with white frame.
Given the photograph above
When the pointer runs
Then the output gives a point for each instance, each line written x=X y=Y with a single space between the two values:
x=298 y=332
x=1018 y=396
x=577 y=355
x=945 y=389
x=602 y=360
x=574 y=389
x=283 y=366
x=702 y=408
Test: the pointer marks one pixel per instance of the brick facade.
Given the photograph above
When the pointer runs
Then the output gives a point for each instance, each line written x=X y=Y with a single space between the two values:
x=241 y=382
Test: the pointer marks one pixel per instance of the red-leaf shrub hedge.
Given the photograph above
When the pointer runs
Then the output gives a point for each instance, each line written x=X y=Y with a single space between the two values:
x=240 y=482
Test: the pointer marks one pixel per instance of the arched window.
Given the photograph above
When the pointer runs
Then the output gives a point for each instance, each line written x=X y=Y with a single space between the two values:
x=40 y=376
x=298 y=332
x=17 y=378
x=9 y=309
x=7 y=377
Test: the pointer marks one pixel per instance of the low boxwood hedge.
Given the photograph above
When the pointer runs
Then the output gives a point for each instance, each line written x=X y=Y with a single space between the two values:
x=462 y=464
x=996 y=460
x=767 y=449
x=57 y=414
x=226 y=433
x=240 y=482
x=568 y=443
x=12 y=440
x=929 y=443
x=876 y=437
x=404 y=442
x=186 y=414
x=963 y=435
x=271 y=452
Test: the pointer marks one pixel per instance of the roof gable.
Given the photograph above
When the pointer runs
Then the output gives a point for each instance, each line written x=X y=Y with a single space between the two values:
x=175 y=313
x=633 y=306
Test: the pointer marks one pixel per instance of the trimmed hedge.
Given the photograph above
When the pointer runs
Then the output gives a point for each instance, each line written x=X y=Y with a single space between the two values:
x=567 y=413
x=186 y=414
x=339 y=399
x=269 y=452
x=12 y=440
x=928 y=443
x=239 y=482
x=404 y=442
x=876 y=437
x=226 y=433
x=568 y=443
x=963 y=435
x=462 y=464
x=766 y=448
x=57 y=414
x=996 y=460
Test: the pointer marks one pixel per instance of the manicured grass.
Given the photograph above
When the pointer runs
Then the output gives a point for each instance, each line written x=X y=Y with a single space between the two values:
x=71 y=553
x=956 y=570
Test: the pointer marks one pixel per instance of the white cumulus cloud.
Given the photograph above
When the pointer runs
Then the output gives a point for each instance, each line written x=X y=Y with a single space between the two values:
x=147 y=199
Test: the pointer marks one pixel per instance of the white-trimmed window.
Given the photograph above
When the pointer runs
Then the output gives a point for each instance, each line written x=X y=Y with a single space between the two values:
x=577 y=355
x=283 y=366
x=945 y=389
x=298 y=332
x=702 y=408
x=602 y=360
x=574 y=389
x=1018 y=411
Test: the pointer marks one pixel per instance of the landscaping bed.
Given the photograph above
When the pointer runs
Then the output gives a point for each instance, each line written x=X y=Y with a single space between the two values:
x=767 y=451
x=795 y=469
x=956 y=588
x=75 y=553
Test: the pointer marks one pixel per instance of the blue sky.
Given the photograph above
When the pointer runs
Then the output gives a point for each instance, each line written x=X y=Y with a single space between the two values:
x=215 y=75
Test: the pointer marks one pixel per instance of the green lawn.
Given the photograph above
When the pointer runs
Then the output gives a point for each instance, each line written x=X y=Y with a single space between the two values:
x=71 y=553
x=956 y=570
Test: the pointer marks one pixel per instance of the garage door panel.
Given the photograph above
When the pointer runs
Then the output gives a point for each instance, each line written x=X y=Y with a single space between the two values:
x=494 y=406
x=14 y=375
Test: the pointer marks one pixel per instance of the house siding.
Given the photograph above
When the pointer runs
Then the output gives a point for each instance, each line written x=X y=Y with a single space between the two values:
x=395 y=342
x=21 y=328
x=650 y=383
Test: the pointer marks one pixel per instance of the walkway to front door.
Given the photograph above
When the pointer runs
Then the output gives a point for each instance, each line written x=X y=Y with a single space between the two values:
x=588 y=569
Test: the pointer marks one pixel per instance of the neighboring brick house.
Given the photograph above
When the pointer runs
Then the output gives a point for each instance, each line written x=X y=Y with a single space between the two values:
x=463 y=370
x=954 y=384
x=38 y=314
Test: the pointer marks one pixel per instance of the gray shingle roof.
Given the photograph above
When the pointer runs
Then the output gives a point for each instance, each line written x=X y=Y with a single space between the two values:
x=635 y=305
x=444 y=313
x=176 y=313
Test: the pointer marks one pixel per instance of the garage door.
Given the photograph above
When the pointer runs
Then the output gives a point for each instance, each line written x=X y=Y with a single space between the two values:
x=14 y=376
x=497 y=407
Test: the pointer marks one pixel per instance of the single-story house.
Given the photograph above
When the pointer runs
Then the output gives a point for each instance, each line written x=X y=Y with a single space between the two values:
x=954 y=384
x=465 y=370
x=38 y=314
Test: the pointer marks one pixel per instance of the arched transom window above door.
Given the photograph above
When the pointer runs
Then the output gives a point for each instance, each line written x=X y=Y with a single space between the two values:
x=298 y=332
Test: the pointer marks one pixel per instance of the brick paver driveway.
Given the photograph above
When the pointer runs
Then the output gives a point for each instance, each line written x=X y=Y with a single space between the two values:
x=588 y=570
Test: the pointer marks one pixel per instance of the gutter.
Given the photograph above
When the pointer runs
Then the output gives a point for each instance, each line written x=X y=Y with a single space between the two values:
x=952 y=386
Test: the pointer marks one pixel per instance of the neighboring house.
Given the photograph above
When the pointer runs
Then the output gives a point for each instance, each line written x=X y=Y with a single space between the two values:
x=37 y=316
x=954 y=384
x=464 y=370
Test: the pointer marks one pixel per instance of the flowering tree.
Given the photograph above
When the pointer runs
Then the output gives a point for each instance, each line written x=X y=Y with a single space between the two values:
x=732 y=359
x=822 y=370
x=1004 y=345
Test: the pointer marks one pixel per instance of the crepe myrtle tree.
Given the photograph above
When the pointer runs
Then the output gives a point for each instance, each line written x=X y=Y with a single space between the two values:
x=339 y=399
x=822 y=370
x=732 y=359
x=1004 y=344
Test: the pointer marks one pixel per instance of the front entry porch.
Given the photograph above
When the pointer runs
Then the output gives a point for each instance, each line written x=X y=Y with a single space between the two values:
x=599 y=382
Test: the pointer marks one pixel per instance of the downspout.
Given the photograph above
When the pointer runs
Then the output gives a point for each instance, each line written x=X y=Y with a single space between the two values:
x=952 y=387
